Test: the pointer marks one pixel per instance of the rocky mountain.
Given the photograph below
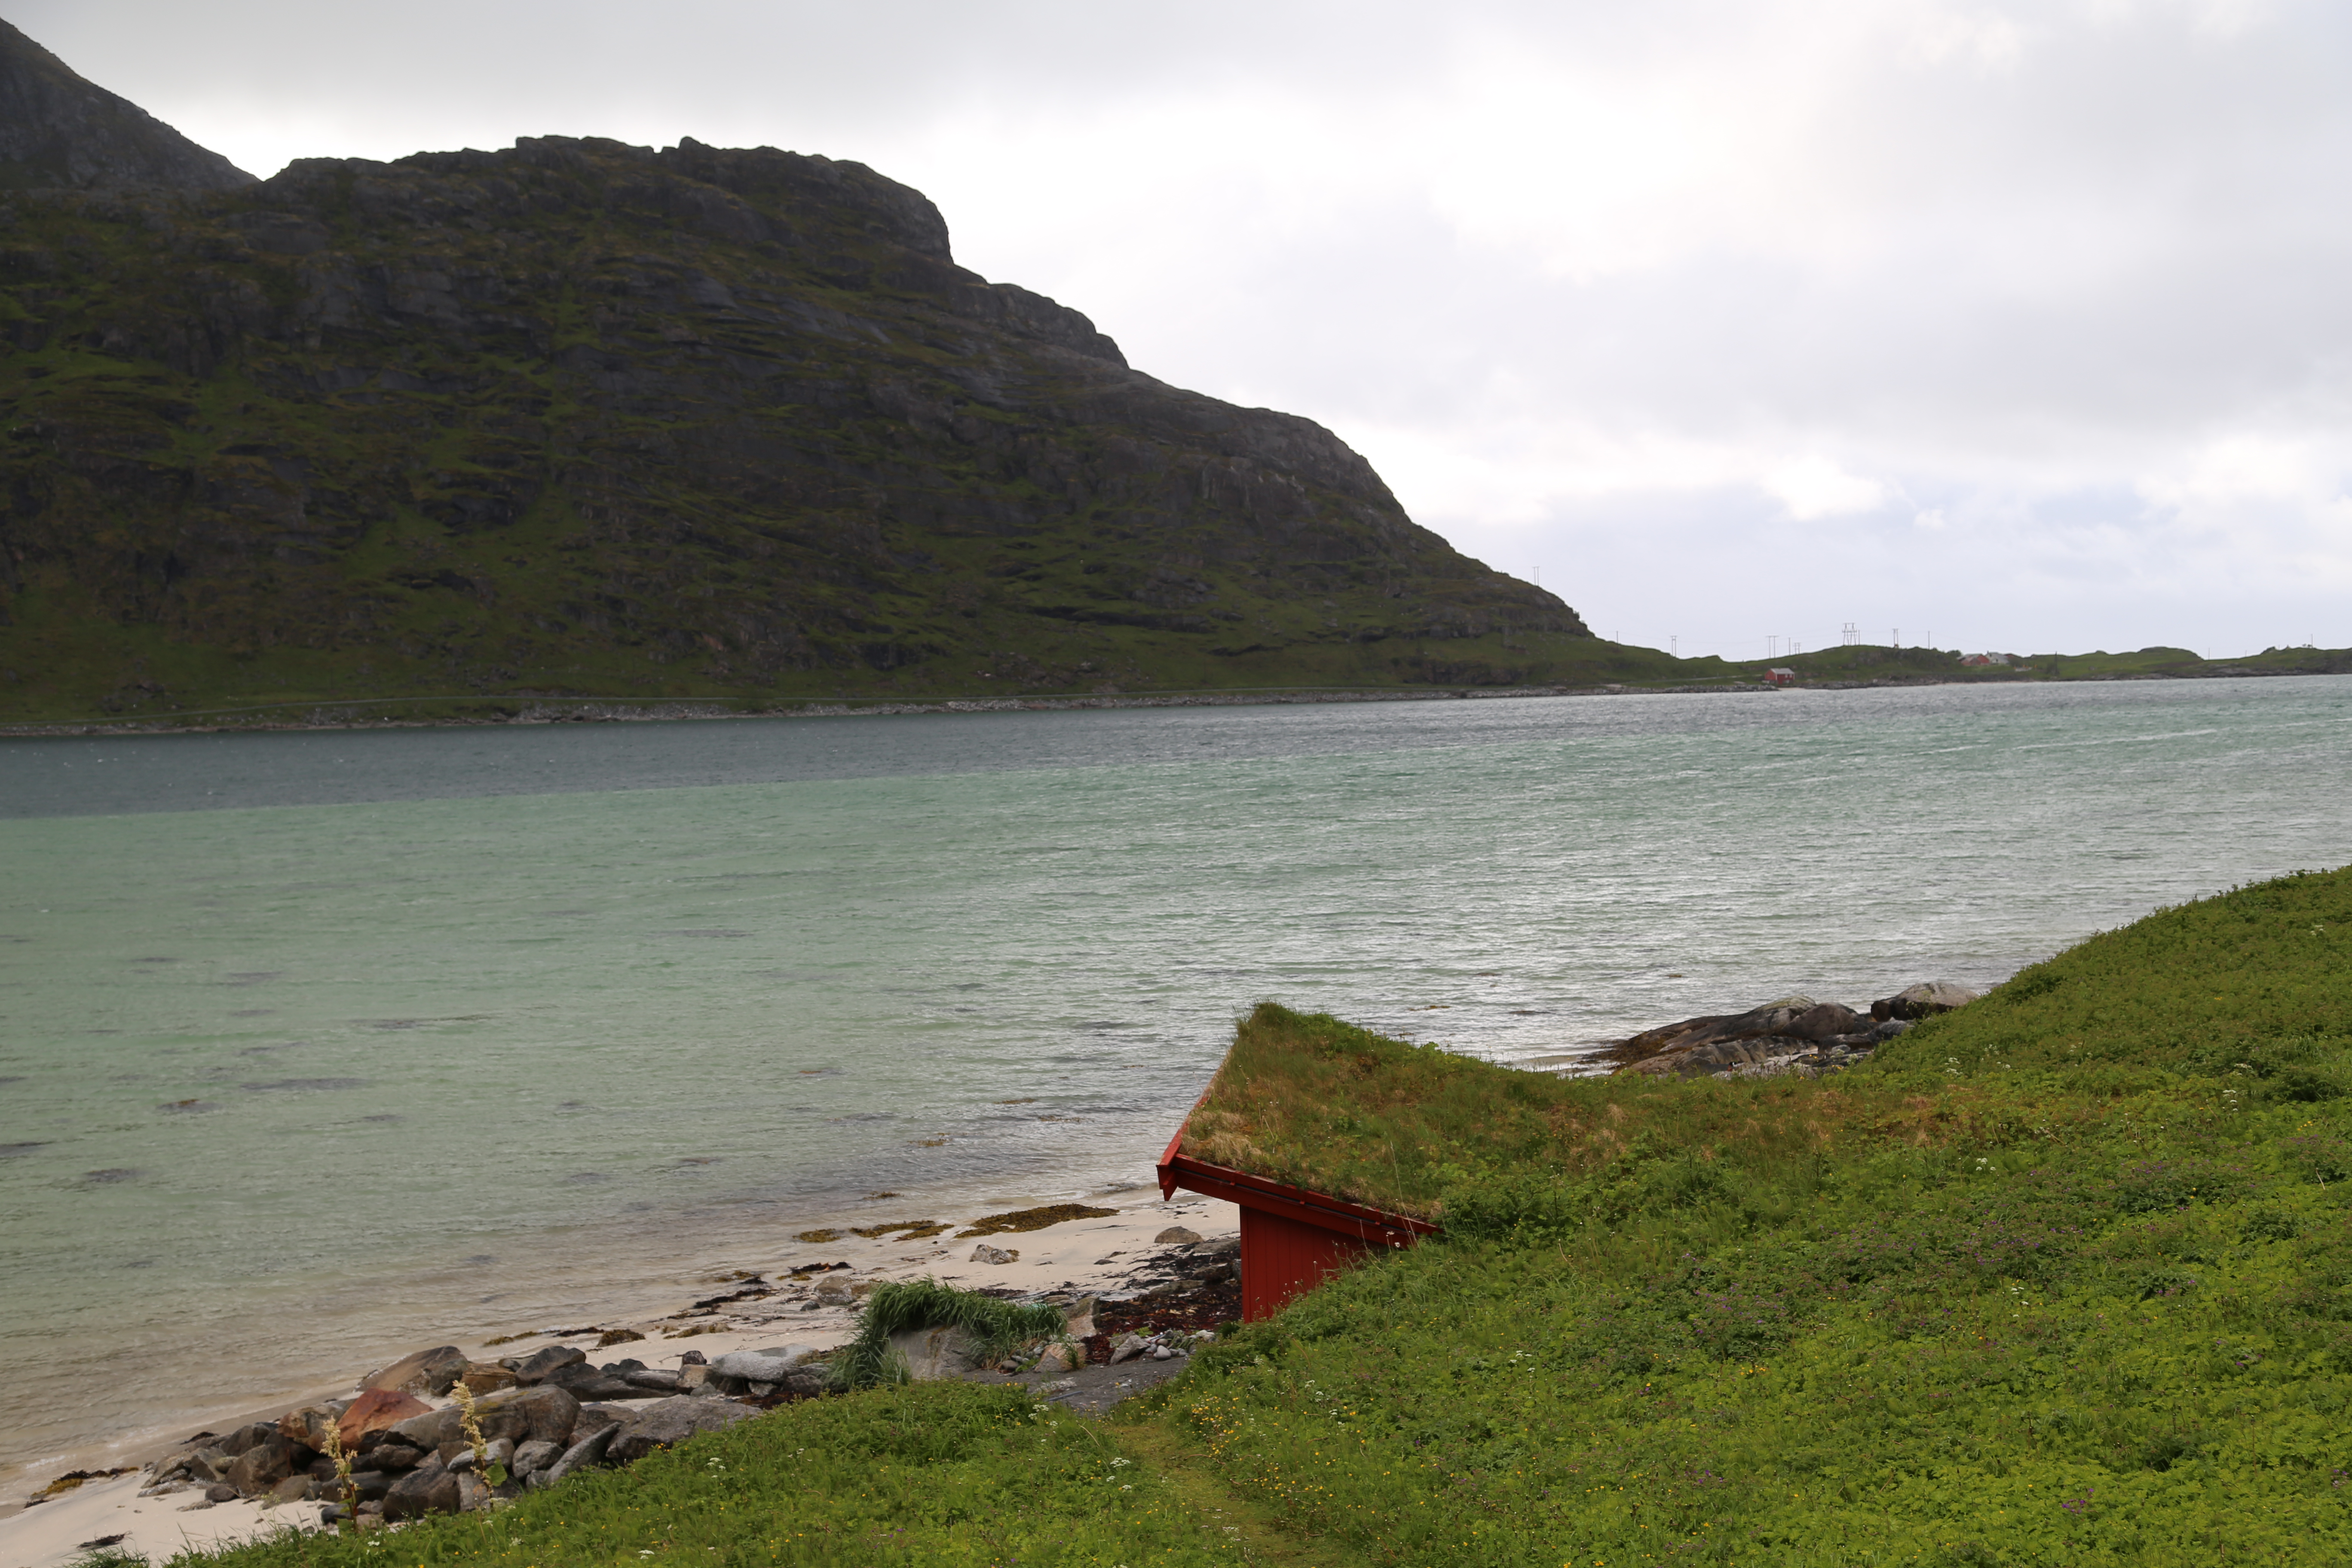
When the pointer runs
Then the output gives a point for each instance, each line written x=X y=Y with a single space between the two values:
x=584 y=418
x=60 y=132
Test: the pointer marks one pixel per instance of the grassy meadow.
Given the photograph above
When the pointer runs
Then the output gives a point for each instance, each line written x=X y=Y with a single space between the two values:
x=2064 y=1276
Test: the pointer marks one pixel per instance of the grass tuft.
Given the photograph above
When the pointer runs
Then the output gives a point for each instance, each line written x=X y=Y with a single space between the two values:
x=995 y=1327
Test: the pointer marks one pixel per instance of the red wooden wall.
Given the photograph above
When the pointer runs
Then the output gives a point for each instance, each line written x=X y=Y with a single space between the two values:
x=1282 y=1258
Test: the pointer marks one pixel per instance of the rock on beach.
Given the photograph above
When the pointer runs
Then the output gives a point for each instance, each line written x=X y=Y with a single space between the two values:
x=1791 y=1036
x=666 y=1423
x=429 y=1372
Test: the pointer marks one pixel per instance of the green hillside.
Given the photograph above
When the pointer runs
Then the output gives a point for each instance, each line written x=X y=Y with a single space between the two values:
x=584 y=419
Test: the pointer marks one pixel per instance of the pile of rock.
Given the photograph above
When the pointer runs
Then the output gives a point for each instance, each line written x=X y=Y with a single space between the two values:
x=1794 y=1037
x=1187 y=1261
x=1166 y=1345
x=540 y=1417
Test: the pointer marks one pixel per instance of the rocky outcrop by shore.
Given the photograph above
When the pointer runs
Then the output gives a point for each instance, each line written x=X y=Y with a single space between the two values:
x=438 y=1431
x=1793 y=1036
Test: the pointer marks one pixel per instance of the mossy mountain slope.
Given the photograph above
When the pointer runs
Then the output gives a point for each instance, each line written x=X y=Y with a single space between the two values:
x=58 y=131
x=584 y=418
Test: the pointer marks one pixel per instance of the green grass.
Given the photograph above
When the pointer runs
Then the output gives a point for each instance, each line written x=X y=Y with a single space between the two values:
x=2065 y=1278
x=994 y=1327
x=1415 y=1130
x=921 y=1474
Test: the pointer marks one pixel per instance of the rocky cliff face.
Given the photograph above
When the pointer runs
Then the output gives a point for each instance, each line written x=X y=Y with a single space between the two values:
x=582 y=417
x=58 y=131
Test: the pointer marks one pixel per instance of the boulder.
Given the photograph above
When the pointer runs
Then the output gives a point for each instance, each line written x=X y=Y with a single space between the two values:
x=585 y=1382
x=983 y=1253
x=488 y=1377
x=935 y=1355
x=263 y=1464
x=1922 y=1001
x=382 y=1451
x=526 y=1415
x=666 y=1423
x=373 y=1411
x=1826 y=1021
x=307 y=1428
x=652 y=1379
x=762 y=1366
x=220 y=1491
x=596 y=1417
x=589 y=1450
x=429 y=1489
x=427 y=1372
x=535 y=1367
x=499 y=1453
x=835 y=1291
x=1176 y=1235
x=530 y=1458
x=1126 y=1347
x=1056 y=1357
x=1078 y=1319
x=293 y=1489
x=1776 y=1017
x=371 y=1484
x=244 y=1438
x=475 y=1493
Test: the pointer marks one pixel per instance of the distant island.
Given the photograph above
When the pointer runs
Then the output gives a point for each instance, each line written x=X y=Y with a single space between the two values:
x=579 y=429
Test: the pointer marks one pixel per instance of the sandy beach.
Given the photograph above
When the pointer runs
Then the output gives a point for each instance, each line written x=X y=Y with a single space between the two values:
x=1101 y=1256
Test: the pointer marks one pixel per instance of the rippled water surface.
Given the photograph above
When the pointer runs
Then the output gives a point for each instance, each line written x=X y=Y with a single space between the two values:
x=315 y=1044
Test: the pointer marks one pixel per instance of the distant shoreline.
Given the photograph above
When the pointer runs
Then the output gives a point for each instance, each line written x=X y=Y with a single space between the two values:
x=527 y=709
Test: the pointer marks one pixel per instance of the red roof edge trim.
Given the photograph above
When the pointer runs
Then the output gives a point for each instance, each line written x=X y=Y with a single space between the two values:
x=1168 y=1160
x=1169 y=1156
x=1377 y=1226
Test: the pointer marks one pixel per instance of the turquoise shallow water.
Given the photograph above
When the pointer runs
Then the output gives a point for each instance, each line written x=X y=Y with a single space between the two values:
x=314 y=1045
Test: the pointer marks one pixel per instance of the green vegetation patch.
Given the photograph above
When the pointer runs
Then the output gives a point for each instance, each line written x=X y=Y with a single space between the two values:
x=905 y=1230
x=948 y=1474
x=2066 y=1310
x=1415 y=1130
x=2254 y=984
x=995 y=1328
x=1032 y=1219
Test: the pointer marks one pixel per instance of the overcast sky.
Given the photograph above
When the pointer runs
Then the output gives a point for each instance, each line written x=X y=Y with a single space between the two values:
x=2023 y=326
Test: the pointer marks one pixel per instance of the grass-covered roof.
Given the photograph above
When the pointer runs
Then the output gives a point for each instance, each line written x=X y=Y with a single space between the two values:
x=2251 y=982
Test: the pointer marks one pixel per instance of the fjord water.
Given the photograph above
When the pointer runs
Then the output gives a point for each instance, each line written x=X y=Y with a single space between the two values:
x=315 y=1047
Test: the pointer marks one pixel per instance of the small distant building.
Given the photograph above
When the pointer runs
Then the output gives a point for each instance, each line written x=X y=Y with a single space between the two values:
x=1778 y=676
x=1984 y=658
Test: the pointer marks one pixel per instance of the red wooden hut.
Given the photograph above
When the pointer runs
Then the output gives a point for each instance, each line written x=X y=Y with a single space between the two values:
x=1292 y=1238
